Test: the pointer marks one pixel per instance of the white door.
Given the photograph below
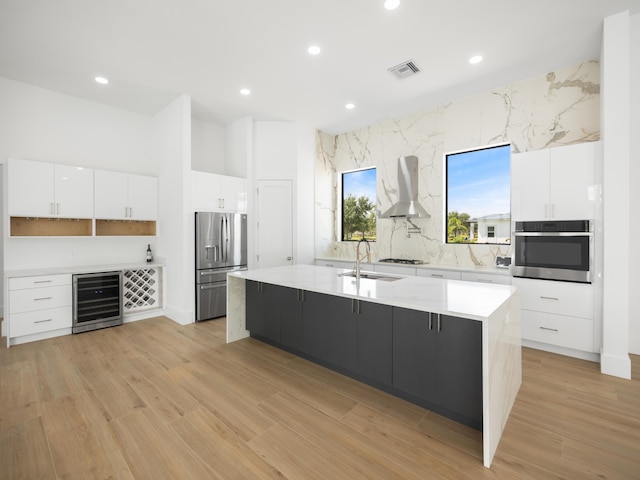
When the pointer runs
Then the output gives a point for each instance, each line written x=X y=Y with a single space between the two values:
x=275 y=223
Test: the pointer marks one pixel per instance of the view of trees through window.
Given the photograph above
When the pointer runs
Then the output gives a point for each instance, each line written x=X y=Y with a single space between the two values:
x=478 y=186
x=359 y=205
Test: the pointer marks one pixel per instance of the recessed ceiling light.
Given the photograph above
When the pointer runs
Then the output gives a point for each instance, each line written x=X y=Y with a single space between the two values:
x=245 y=91
x=391 y=4
x=475 y=59
x=313 y=50
x=101 y=80
x=350 y=106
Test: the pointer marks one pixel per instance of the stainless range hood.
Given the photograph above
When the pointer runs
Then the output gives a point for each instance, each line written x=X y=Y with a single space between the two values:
x=407 y=204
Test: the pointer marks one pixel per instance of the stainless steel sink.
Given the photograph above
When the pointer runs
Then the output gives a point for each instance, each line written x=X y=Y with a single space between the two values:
x=371 y=276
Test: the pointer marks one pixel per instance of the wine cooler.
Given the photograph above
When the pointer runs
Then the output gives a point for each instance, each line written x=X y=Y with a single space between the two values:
x=97 y=301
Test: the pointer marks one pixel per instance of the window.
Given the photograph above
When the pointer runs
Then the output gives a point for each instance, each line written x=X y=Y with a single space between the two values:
x=477 y=189
x=359 y=205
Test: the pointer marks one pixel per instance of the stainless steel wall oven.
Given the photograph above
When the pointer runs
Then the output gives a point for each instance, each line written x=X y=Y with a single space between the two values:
x=554 y=250
x=97 y=301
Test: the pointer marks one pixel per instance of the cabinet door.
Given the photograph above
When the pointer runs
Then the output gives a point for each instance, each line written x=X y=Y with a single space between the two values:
x=232 y=194
x=530 y=185
x=142 y=197
x=73 y=192
x=414 y=354
x=110 y=195
x=342 y=332
x=375 y=342
x=459 y=366
x=572 y=182
x=30 y=189
x=315 y=311
x=291 y=304
x=263 y=310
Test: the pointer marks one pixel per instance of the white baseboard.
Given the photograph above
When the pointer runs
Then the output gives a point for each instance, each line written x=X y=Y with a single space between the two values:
x=615 y=365
x=569 y=352
x=134 y=317
x=179 y=316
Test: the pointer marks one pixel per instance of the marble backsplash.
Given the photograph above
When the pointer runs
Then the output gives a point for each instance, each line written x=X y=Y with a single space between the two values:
x=559 y=108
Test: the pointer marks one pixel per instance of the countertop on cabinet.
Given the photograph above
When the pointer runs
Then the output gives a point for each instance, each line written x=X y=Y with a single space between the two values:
x=83 y=269
x=456 y=268
x=476 y=301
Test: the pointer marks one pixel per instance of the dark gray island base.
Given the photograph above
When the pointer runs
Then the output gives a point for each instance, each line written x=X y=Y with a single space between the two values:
x=429 y=359
x=450 y=346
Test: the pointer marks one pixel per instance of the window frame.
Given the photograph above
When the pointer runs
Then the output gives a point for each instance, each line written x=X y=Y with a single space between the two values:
x=341 y=199
x=445 y=189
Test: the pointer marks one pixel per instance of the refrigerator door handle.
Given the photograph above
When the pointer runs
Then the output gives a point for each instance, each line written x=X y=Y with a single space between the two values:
x=206 y=251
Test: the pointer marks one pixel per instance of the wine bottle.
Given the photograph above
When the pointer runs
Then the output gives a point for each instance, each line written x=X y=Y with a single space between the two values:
x=149 y=255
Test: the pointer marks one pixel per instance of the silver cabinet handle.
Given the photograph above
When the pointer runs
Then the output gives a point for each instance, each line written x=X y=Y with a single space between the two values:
x=549 y=298
x=439 y=326
x=430 y=321
x=42 y=281
x=43 y=321
x=480 y=280
x=550 y=329
x=130 y=212
x=42 y=298
x=438 y=275
x=289 y=258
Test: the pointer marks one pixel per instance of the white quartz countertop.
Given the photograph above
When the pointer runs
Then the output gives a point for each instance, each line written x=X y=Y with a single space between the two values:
x=429 y=266
x=82 y=269
x=471 y=300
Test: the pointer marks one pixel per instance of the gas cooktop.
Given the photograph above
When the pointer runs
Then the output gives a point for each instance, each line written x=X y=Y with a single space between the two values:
x=406 y=261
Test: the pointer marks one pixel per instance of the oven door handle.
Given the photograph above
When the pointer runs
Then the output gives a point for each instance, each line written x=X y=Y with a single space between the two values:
x=553 y=234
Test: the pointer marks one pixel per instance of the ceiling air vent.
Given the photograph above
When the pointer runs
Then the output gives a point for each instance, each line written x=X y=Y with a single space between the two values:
x=404 y=70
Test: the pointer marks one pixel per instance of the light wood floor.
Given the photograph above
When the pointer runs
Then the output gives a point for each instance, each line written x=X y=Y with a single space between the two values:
x=154 y=400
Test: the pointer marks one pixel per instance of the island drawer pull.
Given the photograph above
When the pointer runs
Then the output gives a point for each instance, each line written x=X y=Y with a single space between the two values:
x=550 y=329
x=439 y=325
x=42 y=298
x=42 y=281
x=43 y=321
x=549 y=298
x=430 y=321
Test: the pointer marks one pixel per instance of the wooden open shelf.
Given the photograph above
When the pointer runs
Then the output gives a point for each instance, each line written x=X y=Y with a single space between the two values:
x=125 y=227
x=50 y=227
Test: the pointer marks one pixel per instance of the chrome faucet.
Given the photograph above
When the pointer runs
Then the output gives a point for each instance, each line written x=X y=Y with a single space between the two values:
x=367 y=255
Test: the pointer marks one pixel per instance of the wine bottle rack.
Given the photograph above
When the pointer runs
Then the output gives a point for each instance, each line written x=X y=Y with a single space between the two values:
x=141 y=289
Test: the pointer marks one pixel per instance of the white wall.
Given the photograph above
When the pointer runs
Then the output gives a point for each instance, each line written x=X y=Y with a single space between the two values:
x=615 y=129
x=238 y=148
x=207 y=147
x=634 y=252
x=39 y=124
x=171 y=147
x=305 y=195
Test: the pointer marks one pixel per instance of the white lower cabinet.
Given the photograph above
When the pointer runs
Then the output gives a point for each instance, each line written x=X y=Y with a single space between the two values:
x=486 y=278
x=38 y=305
x=436 y=273
x=558 y=313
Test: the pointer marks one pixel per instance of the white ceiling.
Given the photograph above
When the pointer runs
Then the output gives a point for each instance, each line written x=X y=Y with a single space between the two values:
x=154 y=50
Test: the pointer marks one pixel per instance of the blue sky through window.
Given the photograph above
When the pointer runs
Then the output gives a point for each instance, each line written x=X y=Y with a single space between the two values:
x=478 y=181
x=359 y=183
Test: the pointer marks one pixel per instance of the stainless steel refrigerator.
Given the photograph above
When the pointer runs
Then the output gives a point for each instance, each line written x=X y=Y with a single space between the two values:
x=221 y=247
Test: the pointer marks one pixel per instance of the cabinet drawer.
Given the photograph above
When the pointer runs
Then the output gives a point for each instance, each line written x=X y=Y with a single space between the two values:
x=29 y=323
x=431 y=272
x=560 y=330
x=562 y=298
x=335 y=263
x=34 y=299
x=19 y=283
x=486 y=278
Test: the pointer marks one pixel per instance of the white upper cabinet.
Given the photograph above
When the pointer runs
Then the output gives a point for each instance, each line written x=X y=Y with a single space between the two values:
x=218 y=193
x=124 y=196
x=39 y=189
x=554 y=184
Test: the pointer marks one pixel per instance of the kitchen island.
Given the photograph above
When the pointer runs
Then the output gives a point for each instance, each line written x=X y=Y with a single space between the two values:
x=394 y=305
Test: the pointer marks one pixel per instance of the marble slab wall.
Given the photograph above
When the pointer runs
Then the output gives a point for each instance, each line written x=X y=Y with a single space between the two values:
x=559 y=108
